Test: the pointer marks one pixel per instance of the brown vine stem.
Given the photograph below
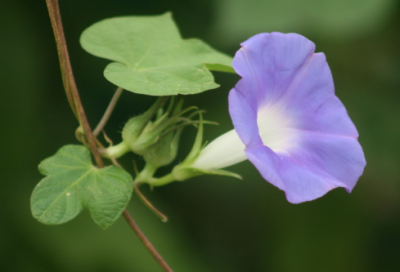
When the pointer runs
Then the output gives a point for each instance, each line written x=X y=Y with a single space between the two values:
x=77 y=108
x=66 y=70
x=68 y=77
x=146 y=242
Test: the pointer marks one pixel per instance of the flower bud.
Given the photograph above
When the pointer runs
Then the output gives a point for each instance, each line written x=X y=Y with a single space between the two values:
x=156 y=140
x=139 y=132
x=164 y=151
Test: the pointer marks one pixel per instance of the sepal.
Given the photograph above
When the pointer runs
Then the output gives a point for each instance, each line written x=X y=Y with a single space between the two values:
x=137 y=131
x=164 y=151
x=181 y=174
x=153 y=134
x=185 y=170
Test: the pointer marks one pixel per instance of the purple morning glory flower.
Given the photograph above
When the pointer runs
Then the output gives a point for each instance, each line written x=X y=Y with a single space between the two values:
x=288 y=121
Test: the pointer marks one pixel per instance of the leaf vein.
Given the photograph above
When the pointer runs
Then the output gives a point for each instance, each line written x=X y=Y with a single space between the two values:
x=59 y=196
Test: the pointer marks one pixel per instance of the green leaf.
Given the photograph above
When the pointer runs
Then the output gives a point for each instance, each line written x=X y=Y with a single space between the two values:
x=220 y=68
x=151 y=58
x=73 y=183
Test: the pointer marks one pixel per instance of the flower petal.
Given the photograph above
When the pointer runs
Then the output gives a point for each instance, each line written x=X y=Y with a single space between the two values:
x=311 y=100
x=296 y=131
x=319 y=164
x=271 y=62
x=224 y=151
x=244 y=116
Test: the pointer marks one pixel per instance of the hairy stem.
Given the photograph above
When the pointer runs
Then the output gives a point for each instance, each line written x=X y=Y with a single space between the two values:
x=108 y=112
x=161 y=181
x=76 y=106
x=115 y=151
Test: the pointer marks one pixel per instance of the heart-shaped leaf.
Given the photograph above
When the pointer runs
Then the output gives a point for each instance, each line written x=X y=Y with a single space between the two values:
x=151 y=57
x=73 y=183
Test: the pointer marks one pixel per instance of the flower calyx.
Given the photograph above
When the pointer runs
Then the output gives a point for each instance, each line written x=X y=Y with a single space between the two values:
x=154 y=134
x=186 y=170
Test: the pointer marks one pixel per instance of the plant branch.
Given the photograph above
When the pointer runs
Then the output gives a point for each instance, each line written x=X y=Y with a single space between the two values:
x=68 y=78
x=108 y=112
x=146 y=241
x=66 y=70
x=77 y=108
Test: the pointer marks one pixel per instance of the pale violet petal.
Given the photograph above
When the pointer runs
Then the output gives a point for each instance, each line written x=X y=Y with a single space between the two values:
x=244 y=117
x=318 y=164
x=296 y=131
x=271 y=61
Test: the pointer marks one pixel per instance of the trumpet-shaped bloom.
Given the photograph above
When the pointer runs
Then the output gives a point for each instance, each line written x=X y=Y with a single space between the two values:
x=288 y=121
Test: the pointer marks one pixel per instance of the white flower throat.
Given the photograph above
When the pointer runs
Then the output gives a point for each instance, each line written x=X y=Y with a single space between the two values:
x=275 y=128
x=228 y=149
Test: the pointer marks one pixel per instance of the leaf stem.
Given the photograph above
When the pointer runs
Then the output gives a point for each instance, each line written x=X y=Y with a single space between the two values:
x=148 y=204
x=76 y=106
x=108 y=112
x=146 y=241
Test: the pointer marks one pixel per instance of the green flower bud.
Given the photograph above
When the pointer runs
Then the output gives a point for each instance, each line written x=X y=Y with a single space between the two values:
x=139 y=132
x=156 y=140
x=164 y=151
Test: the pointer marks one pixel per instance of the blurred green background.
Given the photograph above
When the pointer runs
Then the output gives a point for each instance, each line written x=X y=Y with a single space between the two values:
x=215 y=224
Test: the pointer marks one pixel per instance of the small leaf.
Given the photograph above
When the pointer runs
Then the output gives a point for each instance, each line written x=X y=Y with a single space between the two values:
x=151 y=57
x=73 y=183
